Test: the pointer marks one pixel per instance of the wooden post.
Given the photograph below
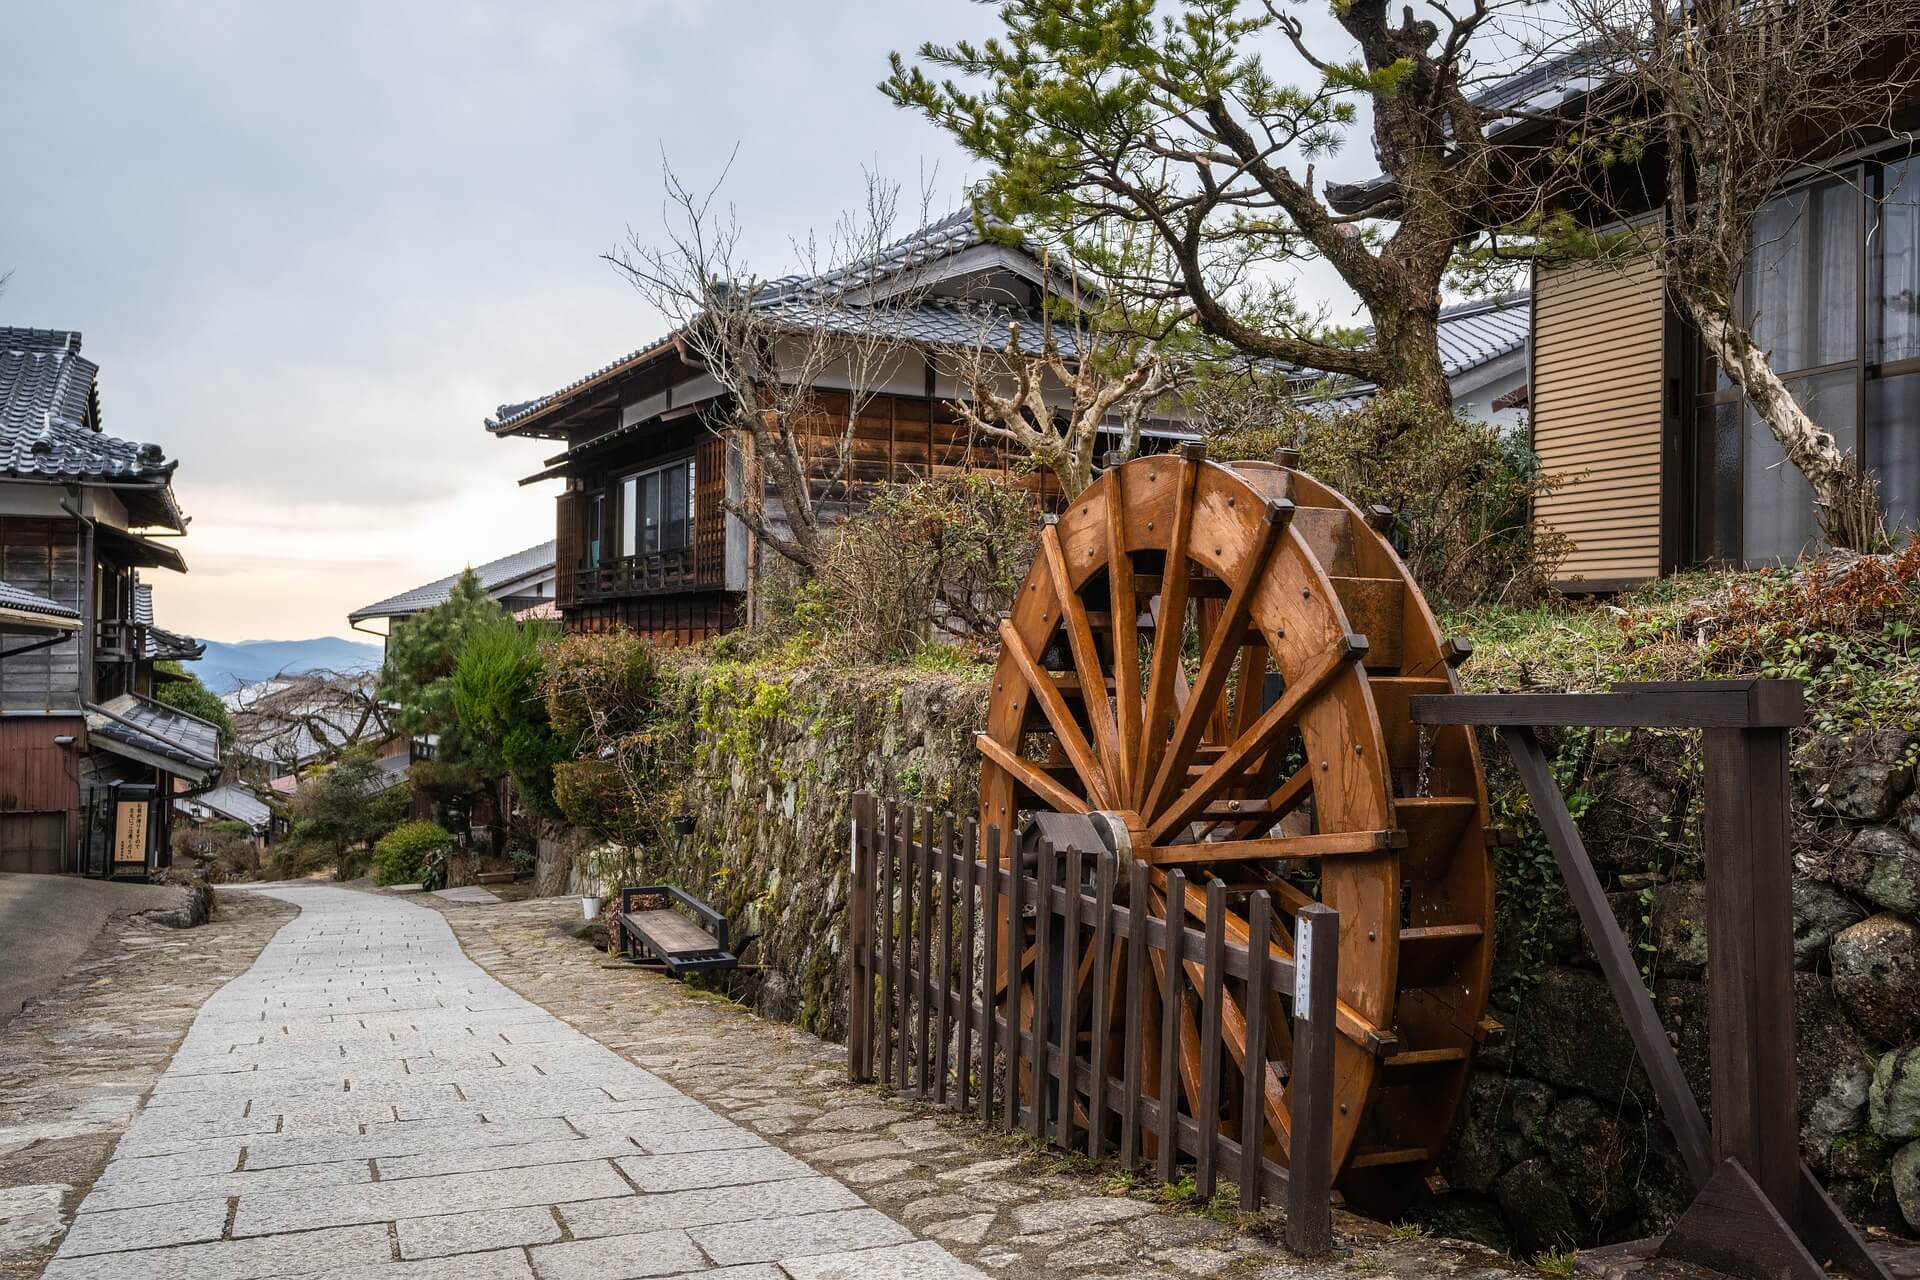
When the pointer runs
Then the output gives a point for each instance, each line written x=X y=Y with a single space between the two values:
x=991 y=905
x=1103 y=869
x=860 y=944
x=969 y=921
x=1013 y=945
x=923 y=1059
x=1134 y=993
x=1042 y=988
x=1253 y=1111
x=1310 y=1154
x=889 y=883
x=1749 y=860
x=1172 y=1005
x=903 y=952
x=1207 y=1107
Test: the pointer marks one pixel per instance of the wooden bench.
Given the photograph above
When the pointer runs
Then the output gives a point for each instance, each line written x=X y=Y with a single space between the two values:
x=652 y=931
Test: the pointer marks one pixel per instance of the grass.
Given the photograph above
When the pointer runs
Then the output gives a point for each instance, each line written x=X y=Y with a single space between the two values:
x=1409 y=1232
x=1555 y=1263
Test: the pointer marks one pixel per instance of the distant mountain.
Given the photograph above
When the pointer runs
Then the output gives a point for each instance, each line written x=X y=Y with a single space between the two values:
x=246 y=661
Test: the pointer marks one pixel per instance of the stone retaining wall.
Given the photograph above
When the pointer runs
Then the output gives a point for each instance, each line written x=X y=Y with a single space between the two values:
x=1562 y=1142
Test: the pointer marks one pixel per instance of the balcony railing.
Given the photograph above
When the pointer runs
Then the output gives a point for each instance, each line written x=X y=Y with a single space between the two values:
x=116 y=640
x=654 y=572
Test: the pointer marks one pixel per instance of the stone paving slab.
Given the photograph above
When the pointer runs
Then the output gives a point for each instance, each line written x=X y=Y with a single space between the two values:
x=964 y=1200
x=366 y=1102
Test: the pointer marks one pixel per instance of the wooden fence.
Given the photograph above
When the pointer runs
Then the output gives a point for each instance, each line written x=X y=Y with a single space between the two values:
x=933 y=1015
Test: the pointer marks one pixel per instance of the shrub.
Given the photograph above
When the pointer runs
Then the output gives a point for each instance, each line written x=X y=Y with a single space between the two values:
x=223 y=851
x=1461 y=491
x=412 y=853
x=503 y=722
x=931 y=562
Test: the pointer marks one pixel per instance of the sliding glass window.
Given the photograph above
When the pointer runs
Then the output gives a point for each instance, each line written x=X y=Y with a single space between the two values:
x=1830 y=293
x=656 y=509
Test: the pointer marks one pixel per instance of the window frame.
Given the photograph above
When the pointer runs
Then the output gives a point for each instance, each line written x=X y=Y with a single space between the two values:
x=637 y=479
x=1867 y=174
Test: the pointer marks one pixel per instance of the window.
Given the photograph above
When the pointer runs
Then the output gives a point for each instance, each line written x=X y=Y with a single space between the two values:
x=596 y=528
x=1832 y=292
x=656 y=510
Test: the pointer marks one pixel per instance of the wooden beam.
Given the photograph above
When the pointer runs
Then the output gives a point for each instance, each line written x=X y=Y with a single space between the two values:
x=1672 y=704
x=1079 y=754
x=1327 y=845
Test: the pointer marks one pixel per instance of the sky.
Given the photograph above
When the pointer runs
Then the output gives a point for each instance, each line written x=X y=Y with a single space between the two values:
x=312 y=246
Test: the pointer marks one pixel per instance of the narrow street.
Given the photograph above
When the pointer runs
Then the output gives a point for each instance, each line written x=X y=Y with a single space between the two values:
x=366 y=1096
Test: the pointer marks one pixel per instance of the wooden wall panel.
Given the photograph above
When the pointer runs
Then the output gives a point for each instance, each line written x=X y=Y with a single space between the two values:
x=566 y=545
x=667 y=620
x=709 y=510
x=1598 y=365
x=37 y=776
x=44 y=557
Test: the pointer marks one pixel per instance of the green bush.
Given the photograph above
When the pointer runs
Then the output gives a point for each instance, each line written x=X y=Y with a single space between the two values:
x=412 y=853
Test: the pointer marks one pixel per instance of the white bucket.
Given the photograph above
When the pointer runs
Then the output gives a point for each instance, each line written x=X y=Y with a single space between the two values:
x=589 y=907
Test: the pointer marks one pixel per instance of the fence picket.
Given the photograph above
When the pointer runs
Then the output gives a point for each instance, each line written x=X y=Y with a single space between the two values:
x=1102 y=1011
x=1253 y=1102
x=1079 y=987
x=969 y=921
x=943 y=939
x=1207 y=1107
x=884 y=941
x=989 y=1018
x=1171 y=1007
x=903 y=950
x=1135 y=997
x=1043 y=996
x=1014 y=945
x=1069 y=1001
x=923 y=862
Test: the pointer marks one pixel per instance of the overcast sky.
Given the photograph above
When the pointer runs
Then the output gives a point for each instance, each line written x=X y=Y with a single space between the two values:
x=313 y=245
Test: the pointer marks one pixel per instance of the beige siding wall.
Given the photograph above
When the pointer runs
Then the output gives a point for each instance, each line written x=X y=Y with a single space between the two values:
x=1597 y=370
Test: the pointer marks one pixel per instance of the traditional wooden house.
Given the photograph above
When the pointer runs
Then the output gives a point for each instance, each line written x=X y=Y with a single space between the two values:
x=643 y=535
x=88 y=760
x=1663 y=464
x=521 y=582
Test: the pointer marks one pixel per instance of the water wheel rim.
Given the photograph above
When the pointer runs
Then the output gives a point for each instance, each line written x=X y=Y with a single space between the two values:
x=1223 y=521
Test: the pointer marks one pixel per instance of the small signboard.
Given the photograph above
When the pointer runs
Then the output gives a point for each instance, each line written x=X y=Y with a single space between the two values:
x=1303 y=969
x=130 y=831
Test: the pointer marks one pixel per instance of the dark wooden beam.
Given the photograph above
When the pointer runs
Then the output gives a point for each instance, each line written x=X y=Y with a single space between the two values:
x=1674 y=704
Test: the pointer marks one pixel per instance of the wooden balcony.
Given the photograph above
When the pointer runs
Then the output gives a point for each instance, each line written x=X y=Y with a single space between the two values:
x=117 y=641
x=655 y=573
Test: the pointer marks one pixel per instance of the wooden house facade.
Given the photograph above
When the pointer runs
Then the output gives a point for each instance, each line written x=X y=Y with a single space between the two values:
x=1662 y=466
x=88 y=759
x=643 y=535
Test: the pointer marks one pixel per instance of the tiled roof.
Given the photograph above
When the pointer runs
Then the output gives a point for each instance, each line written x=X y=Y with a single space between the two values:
x=808 y=301
x=190 y=745
x=49 y=421
x=493 y=576
x=1471 y=334
x=12 y=597
x=162 y=645
x=231 y=800
x=42 y=376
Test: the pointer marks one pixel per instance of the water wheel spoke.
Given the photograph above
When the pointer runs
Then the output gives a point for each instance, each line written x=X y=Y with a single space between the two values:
x=1282 y=801
x=1170 y=612
x=1124 y=607
x=1031 y=776
x=1260 y=737
x=1086 y=656
x=1204 y=700
x=1066 y=731
x=1326 y=844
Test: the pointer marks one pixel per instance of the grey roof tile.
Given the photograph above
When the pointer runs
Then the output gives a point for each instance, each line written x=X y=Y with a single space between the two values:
x=12 y=597
x=156 y=729
x=1471 y=334
x=231 y=800
x=811 y=300
x=492 y=575
x=49 y=422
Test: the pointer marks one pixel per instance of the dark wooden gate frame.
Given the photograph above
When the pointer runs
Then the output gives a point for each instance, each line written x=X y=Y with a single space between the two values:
x=1758 y=1211
x=914 y=903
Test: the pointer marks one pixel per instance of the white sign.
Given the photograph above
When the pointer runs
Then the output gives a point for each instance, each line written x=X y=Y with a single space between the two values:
x=853 y=844
x=1303 y=969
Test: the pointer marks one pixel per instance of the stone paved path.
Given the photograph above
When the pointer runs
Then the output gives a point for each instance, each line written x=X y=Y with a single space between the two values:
x=366 y=1102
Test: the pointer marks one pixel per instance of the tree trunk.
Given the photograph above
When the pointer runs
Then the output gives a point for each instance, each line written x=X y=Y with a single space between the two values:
x=1410 y=344
x=1846 y=498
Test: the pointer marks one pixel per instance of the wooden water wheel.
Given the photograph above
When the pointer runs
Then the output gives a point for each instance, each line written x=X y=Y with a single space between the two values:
x=1220 y=657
